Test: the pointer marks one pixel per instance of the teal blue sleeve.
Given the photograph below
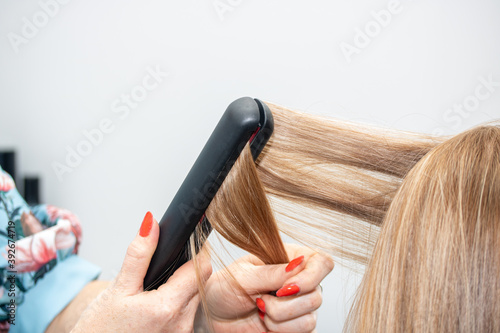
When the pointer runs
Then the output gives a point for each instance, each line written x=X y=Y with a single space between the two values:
x=52 y=294
x=40 y=272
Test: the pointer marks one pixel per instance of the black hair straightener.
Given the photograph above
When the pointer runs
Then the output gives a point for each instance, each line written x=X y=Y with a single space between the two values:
x=245 y=120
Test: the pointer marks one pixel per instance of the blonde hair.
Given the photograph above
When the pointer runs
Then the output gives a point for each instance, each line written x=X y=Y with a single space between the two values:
x=332 y=181
x=424 y=206
x=436 y=265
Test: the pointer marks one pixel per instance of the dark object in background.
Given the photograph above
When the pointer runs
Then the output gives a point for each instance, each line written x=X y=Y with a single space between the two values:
x=8 y=162
x=31 y=184
x=32 y=190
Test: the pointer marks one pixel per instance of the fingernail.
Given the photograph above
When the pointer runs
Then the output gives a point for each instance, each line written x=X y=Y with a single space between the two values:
x=146 y=225
x=261 y=305
x=261 y=315
x=288 y=290
x=294 y=263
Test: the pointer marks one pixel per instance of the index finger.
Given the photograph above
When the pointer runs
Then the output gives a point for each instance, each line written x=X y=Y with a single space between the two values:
x=317 y=267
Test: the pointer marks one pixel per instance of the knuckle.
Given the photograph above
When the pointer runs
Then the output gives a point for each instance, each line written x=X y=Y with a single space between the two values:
x=134 y=251
x=275 y=315
x=308 y=322
x=206 y=271
x=316 y=300
x=163 y=313
x=177 y=316
x=328 y=261
x=331 y=264
x=269 y=275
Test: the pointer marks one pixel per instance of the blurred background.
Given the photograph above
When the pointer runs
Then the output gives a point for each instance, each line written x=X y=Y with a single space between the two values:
x=109 y=103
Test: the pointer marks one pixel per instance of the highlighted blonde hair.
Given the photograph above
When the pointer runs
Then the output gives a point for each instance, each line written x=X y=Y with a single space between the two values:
x=421 y=213
x=436 y=265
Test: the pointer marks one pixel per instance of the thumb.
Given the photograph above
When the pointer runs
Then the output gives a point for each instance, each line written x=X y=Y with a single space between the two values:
x=265 y=278
x=139 y=252
x=184 y=284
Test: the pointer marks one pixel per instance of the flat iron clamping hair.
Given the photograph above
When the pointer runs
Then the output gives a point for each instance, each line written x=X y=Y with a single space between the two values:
x=245 y=120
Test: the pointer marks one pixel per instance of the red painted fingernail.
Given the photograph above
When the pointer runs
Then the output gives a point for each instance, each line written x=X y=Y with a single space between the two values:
x=261 y=305
x=288 y=290
x=261 y=315
x=294 y=263
x=146 y=225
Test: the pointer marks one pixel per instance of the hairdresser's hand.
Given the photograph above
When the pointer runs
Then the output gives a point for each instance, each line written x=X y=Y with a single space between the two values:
x=233 y=311
x=125 y=307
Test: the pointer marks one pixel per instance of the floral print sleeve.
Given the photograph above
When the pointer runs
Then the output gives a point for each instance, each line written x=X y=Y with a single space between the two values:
x=44 y=236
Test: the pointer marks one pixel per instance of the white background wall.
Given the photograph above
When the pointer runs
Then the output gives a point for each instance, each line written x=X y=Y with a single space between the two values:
x=62 y=78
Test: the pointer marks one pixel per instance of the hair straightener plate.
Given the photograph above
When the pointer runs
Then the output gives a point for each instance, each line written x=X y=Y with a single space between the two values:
x=245 y=120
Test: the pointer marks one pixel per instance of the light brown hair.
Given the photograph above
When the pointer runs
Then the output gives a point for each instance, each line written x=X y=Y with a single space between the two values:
x=421 y=212
x=436 y=265
x=331 y=182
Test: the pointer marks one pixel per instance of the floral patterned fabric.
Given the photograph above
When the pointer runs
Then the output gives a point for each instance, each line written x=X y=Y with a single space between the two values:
x=33 y=241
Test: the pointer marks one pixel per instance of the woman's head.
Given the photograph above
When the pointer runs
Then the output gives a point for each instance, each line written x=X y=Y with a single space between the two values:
x=436 y=264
